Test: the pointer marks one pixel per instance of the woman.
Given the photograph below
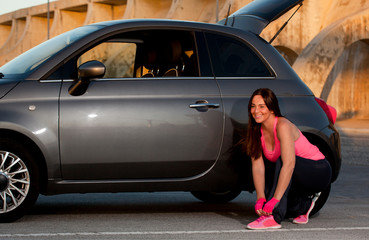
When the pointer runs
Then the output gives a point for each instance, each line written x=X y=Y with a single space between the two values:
x=289 y=180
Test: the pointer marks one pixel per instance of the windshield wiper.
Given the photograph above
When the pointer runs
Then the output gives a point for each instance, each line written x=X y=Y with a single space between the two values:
x=1 y=75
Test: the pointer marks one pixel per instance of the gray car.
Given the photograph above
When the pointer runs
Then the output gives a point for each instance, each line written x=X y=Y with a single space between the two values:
x=147 y=105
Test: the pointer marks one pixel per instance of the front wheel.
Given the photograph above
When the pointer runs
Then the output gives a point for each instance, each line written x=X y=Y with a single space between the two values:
x=216 y=197
x=19 y=180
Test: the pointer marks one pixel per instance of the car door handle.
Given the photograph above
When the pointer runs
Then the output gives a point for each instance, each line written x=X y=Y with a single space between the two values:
x=203 y=105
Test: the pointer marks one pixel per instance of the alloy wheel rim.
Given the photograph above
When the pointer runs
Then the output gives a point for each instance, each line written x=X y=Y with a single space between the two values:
x=4 y=181
x=14 y=181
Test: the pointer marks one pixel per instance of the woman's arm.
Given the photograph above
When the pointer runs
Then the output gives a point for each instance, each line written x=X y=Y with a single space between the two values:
x=287 y=134
x=258 y=174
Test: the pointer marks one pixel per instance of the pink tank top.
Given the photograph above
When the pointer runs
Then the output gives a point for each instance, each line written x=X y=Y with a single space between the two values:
x=303 y=148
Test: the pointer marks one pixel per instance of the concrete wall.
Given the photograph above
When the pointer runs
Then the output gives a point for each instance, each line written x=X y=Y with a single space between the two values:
x=327 y=42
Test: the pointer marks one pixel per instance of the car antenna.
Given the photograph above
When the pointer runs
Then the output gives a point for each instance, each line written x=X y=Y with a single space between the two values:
x=284 y=25
x=229 y=9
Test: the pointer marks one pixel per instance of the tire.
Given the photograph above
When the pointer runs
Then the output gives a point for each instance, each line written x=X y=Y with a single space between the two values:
x=325 y=150
x=19 y=180
x=216 y=197
x=321 y=200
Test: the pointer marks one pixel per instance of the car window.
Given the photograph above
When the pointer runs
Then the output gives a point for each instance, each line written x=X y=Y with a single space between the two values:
x=146 y=54
x=118 y=56
x=167 y=53
x=232 y=58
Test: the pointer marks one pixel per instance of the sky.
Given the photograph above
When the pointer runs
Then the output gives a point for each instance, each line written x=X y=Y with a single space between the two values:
x=7 y=6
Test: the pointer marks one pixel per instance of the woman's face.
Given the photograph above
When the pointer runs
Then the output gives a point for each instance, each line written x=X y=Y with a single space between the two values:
x=259 y=109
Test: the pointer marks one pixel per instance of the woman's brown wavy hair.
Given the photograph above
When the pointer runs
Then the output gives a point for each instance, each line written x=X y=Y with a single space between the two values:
x=252 y=143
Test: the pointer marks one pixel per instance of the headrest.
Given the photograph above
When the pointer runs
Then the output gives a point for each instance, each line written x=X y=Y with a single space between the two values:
x=173 y=52
x=150 y=57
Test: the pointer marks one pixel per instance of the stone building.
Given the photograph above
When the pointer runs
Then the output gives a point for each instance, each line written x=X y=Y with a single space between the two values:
x=326 y=42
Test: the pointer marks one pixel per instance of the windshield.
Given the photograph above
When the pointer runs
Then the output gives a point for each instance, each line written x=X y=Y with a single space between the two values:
x=30 y=60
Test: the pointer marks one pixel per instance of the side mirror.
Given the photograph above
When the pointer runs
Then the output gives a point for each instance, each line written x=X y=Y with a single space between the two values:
x=87 y=71
x=91 y=69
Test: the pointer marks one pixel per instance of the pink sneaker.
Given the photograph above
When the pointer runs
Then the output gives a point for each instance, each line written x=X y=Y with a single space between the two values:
x=303 y=219
x=264 y=222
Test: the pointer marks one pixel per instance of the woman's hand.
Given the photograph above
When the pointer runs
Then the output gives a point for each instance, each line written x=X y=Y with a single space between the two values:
x=269 y=206
x=259 y=206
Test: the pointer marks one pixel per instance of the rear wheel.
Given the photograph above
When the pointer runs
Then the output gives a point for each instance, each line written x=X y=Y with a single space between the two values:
x=325 y=150
x=19 y=180
x=216 y=197
x=321 y=200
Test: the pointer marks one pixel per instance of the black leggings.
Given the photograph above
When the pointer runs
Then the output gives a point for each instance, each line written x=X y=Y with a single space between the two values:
x=308 y=177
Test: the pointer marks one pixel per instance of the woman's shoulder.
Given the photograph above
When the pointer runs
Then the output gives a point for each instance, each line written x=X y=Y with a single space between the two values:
x=286 y=126
x=284 y=123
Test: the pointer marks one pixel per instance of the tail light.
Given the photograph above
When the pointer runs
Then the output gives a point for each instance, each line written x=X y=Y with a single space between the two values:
x=329 y=110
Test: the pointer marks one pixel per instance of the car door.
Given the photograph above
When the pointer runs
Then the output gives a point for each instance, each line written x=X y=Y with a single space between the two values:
x=132 y=124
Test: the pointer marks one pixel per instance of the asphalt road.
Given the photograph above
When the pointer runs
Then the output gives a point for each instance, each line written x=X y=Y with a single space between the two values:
x=181 y=216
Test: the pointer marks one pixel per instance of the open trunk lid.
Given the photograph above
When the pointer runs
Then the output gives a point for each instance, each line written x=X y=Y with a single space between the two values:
x=256 y=15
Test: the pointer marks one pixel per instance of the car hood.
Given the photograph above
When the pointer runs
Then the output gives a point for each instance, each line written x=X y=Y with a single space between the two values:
x=256 y=15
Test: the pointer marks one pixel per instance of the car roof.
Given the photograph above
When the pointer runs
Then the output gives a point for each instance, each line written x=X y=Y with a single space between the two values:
x=253 y=17
x=157 y=24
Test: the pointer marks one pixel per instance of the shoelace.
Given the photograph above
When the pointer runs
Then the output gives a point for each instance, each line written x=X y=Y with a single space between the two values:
x=261 y=218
